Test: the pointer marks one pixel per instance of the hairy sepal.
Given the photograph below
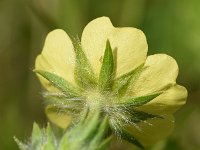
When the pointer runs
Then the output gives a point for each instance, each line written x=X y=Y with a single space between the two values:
x=83 y=72
x=60 y=83
x=107 y=69
x=125 y=135
x=139 y=101
x=121 y=84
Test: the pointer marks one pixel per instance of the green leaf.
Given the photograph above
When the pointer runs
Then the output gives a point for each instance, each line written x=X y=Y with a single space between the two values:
x=121 y=84
x=107 y=69
x=139 y=101
x=60 y=83
x=84 y=75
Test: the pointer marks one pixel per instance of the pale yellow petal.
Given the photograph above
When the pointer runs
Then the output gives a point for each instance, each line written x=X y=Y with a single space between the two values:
x=161 y=72
x=153 y=130
x=128 y=44
x=57 y=57
x=168 y=102
x=60 y=119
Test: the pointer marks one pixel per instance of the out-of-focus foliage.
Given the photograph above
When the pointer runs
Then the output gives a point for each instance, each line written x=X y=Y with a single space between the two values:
x=171 y=26
x=89 y=134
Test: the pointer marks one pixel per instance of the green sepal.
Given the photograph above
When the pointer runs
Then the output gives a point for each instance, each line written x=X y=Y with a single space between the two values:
x=80 y=136
x=36 y=134
x=121 y=84
x=125 y=135
x=87 y=135
x=139 y=101
x=60 y=83
x=107 y=69
x=89 y=125
x=41 y=139
x=101 y=132
x=51 y=141
x=138 y=116
x=83 y=72
x=21 y=145
x=65 y=143
x=59 y=100
x=59 y=109
x=105 y=144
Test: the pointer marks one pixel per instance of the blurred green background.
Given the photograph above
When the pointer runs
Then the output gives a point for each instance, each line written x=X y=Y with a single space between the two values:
x=171 y=26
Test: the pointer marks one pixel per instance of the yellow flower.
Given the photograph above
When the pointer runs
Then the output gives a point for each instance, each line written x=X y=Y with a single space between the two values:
x=109 y=70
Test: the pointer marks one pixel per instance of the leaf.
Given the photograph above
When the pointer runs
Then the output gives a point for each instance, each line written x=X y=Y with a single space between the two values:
x=60 y=83
x=139 y=101
x=84 y=75
x=107 y=69
x=122 y=83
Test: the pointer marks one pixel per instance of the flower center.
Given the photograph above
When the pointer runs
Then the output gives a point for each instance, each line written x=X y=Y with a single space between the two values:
x=96 y=100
